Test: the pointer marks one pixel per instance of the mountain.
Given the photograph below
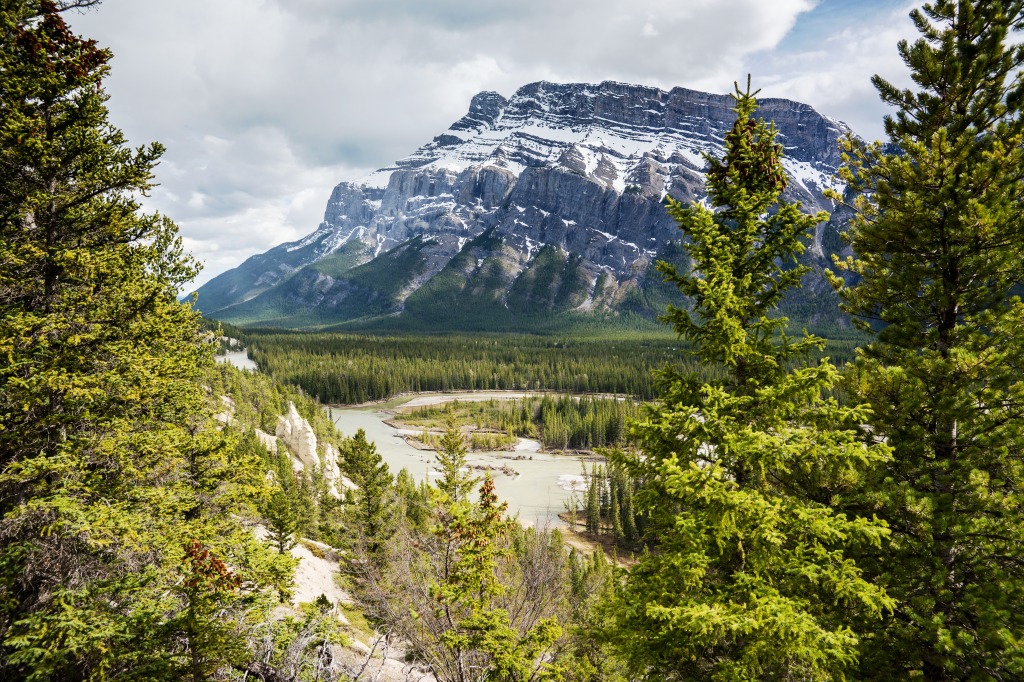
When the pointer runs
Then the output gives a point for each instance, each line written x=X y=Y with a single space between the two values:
x=545 y=205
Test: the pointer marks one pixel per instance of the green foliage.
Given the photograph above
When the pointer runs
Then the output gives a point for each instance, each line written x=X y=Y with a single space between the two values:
x=342 y=260
x=479 y=641
x=553 y=281
x=348 y=368
x=559 y=422
x=297 y=646
x=611 y=507
x=451 y=460
x=255 y=401
x=413 y=499
x=339 y=368
x=121 y=550
x=745 y=261
x=465 y=293
x=593 y=502
x=751 y=577
x=588 y=657
x=475 y=596
x=369 y=513
x=259 y=400
x=938 y=242
x=388 y=274
x=282 y=521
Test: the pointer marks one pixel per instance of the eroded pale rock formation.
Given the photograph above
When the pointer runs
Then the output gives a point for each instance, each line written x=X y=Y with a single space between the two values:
x=297 y=434
x=332 y=474
x=268 y=441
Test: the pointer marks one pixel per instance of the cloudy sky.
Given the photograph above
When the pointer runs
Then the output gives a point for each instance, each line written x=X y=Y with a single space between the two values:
x=265 y=105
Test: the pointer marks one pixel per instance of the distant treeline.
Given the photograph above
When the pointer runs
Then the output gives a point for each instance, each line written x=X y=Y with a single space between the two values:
x=346 y=368
x=558 y=422
x=342 y=368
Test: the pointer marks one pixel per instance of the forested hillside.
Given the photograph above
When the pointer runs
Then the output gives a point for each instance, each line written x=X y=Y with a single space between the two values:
x=136 y=474
x=123 y=544
x=775 y=515
x=352 y=368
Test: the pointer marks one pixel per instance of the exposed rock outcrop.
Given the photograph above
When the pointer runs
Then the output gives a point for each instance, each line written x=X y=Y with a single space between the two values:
x=573 y=173
x=332 y=474
x=266 y=440
x=228 y=414
x=298 y=436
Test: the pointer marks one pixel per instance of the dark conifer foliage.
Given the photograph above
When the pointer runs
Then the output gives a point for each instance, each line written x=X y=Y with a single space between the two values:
x=939 y=242
x=558 y=422
x=346 y=368
x=610 y=507
x=751 y=576
x=369 y=516
x=352 y=368
x=120 y=550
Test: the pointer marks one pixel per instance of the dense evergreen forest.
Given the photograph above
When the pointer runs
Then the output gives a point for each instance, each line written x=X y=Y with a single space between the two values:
x=558 y=422
x=608 y=508
x=150 y=519
x=352 y=369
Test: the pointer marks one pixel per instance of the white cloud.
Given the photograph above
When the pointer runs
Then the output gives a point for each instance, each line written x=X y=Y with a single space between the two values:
x=233 y=197
x=264 y=105
x=834 y=76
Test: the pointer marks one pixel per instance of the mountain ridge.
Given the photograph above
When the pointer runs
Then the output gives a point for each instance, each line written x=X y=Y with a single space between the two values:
x=566 y=181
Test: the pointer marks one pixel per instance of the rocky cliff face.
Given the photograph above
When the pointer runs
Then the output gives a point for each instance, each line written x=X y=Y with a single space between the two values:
x=297 y=434
x=547 y=202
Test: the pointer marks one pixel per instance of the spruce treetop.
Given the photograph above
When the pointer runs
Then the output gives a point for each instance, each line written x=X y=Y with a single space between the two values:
x=744 y=253
x=938 y=241
x=749 y=576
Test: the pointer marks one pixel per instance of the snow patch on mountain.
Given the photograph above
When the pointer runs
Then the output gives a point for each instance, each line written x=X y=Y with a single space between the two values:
x=584 y=168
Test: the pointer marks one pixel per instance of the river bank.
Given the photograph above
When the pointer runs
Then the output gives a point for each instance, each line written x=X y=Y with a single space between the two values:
x=537 y=485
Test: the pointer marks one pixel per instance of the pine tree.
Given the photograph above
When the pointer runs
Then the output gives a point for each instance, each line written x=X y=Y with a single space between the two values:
x=630 y=531
x=370 y=512
x=939 y=241
x=478 y=640
x=413 y=500
x=119 y=500
x=282 y=521
x=614 y=511
x=751 y=577
x=593 y=502
x=451 y=458
x=282 y=534
x=440 y=588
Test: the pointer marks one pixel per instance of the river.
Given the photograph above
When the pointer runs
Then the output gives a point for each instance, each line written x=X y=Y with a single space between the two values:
x=540 y=491
x=537 y=494
x=238 y=358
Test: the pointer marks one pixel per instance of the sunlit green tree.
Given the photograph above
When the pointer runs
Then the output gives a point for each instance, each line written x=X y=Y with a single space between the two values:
x=939 y=242
x=119 y=499
x=751 y=576
x=370 y=510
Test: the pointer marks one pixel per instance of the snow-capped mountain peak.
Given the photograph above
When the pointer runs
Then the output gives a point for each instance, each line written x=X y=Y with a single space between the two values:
x=574 y=169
